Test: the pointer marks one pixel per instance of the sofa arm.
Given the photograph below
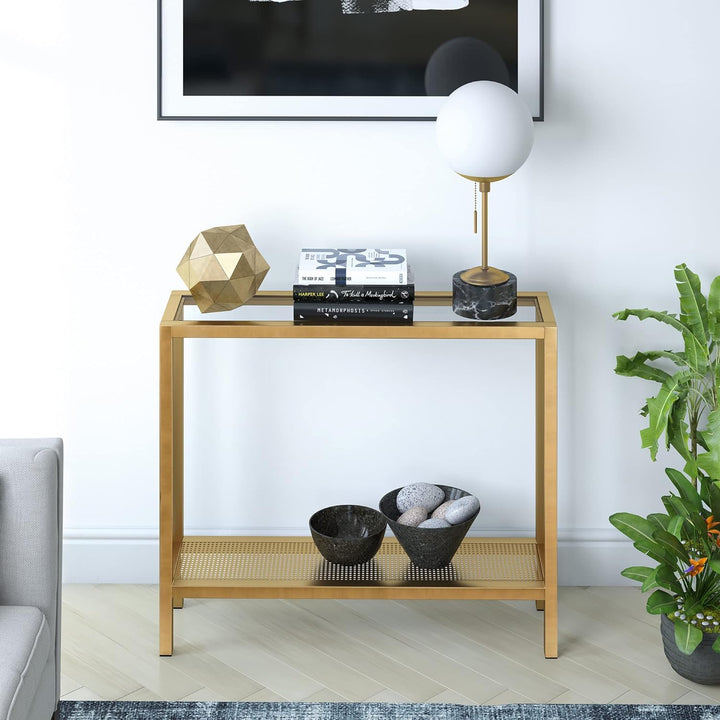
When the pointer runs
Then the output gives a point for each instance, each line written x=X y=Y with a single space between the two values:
x=31 y=527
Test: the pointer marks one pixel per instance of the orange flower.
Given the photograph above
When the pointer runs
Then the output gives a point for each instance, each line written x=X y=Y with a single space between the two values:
x=712 y=525
x=696 y=566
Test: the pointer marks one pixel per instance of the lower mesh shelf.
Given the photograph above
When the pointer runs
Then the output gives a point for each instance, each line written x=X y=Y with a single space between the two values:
x=253 y=561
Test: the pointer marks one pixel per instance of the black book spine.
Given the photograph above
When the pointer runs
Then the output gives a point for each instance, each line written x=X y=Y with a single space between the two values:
x=352 y=312
x=334 y=294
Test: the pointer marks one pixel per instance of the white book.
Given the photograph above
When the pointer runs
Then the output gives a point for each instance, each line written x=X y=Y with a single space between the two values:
x=327 y=266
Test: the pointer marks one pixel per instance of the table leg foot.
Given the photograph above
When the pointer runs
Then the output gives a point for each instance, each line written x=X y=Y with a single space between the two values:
x=551 y=628
x=166 y=623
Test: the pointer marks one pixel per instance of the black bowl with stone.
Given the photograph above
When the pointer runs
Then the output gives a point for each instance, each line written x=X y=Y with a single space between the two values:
x=429 y=548
x=347 y=534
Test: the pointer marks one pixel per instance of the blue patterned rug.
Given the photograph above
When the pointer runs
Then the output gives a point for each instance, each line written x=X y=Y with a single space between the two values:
x=374 y=711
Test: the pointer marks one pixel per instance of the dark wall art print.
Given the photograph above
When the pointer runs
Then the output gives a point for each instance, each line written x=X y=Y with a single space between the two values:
x=341 y=59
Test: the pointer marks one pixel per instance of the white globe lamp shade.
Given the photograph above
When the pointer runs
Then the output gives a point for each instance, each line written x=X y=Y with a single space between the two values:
x=485 y=131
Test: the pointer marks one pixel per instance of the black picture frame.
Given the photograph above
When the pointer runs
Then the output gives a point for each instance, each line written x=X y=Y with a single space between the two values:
x=172 y=104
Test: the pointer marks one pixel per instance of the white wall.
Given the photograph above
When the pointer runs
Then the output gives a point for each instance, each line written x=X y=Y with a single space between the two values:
x=98 y=202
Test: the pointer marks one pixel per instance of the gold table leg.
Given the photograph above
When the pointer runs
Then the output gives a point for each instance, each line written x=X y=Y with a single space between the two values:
x=171 y=477
x=546 y=480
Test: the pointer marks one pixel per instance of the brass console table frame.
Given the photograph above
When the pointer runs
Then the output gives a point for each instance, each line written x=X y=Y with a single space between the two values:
x=286 y=567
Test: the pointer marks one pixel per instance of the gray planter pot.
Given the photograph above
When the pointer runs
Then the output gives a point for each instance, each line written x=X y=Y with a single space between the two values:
x=703 y=666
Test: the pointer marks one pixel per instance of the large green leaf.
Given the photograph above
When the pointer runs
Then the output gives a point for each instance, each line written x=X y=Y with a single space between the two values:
x=650 y=582
x=665 y=578
x=709 y=461
x=659 y=408
x=634 y=526
x=687 y=637
x=675 y=526
x=645 y=314
x=716 y=645
x=714 y=503
x=677 y=357
x=659 y=520
x=693 y=348
x=690 y=468
x=655 y=551
x=693 y=307
x=685 y=510
x=714 y=309
x=671 y=544
x=638 y=573
x=700 y=526
x=677 y=432
x=700 y=438
x=685 y=488
x=636 y=366
x=660 y=603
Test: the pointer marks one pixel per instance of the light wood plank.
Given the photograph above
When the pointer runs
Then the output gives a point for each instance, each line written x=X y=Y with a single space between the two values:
x=142 y=695
x=243 y=651
x=466 y=651
x=404 y=648
x=143 y=670
x=410 y=620
x=591 y=657
x=388 y=696
x=570 y=697
x=265 y=695
x=101 y=610
x=360 y=658
x=488 y=635
x=68 y=685
x=296 y=644
x=507 y=697
x=695 y=698
x=82 y=694
x=325 y=695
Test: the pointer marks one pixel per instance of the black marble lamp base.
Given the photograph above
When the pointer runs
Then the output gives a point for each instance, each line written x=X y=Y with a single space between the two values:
x=484 y=302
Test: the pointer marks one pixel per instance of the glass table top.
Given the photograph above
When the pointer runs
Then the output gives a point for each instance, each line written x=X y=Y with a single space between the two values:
x=257 y=311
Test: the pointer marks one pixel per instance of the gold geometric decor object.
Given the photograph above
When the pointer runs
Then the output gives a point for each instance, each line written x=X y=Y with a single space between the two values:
x=222 y=268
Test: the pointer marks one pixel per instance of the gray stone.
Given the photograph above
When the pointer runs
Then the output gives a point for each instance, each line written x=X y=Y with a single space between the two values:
x=462 y=509
x=434 y=523
x=439 y=512
x=422 y=494
x=413 y=517
x=484 y=302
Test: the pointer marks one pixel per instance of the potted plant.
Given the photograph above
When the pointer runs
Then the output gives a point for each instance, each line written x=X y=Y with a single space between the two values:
x=685 y=406
x=683 y=541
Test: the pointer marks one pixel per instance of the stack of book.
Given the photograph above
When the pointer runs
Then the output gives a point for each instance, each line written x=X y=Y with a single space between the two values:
x=354 y=286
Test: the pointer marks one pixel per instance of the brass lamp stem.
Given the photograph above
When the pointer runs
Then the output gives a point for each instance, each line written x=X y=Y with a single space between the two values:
x=484 y=275
x=484 y=190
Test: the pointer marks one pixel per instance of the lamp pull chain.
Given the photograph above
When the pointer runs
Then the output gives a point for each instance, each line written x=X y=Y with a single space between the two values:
x=475 y=188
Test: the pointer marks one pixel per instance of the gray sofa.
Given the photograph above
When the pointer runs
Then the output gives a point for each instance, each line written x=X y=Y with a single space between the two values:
x=30 y=567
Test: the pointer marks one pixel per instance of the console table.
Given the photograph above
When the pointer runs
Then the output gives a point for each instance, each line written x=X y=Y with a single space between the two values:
x=502 y=568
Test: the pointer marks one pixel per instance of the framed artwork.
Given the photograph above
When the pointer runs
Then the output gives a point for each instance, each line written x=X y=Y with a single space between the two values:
x=341 y=59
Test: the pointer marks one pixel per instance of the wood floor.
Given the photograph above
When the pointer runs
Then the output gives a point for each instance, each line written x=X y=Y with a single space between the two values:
x=375 y=650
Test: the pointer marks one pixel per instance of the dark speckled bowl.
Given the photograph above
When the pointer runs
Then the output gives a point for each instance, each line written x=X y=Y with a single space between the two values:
x=429 y=548
x=347 y=534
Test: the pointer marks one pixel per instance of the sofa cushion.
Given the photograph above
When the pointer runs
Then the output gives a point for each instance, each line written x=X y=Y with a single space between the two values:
x=24 y=649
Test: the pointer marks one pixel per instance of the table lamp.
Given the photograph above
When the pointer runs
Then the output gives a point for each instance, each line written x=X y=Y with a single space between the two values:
x=485 y=132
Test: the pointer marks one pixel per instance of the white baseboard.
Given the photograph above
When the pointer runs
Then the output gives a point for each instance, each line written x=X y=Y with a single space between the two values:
x=585 y=557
